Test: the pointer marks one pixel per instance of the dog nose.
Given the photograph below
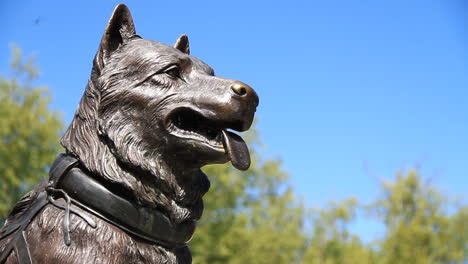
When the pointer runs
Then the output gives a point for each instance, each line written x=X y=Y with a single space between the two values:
x=244 y=91
x=241 y=89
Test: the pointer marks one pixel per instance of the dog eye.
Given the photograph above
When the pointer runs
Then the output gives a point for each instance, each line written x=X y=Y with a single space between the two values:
x=174 y=72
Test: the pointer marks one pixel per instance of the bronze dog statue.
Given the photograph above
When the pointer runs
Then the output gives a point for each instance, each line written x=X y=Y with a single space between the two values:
x=129 y=187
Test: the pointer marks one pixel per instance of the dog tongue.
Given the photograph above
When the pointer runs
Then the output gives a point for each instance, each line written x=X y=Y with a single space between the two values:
x=237 y=150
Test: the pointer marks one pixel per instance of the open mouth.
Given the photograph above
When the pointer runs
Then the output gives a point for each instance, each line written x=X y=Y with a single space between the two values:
x=190 y=124
x=187 y=123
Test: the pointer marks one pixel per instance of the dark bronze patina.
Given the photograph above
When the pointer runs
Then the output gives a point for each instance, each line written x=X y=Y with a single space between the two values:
x=129 y=187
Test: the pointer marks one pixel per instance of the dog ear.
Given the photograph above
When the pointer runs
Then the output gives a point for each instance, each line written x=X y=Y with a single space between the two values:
x=119 y=30
x=182 y=44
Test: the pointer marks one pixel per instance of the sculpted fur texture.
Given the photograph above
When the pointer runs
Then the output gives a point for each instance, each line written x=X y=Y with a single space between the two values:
x=151 y=116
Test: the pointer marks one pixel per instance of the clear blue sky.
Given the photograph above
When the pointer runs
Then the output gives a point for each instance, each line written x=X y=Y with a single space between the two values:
x=351 y=91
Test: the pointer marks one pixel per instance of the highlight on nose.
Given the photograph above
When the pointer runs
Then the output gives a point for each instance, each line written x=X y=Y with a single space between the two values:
x=241 y=89
x=245 y=93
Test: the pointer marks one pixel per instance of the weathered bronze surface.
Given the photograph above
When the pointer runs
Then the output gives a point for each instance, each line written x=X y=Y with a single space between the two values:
x=129 y=187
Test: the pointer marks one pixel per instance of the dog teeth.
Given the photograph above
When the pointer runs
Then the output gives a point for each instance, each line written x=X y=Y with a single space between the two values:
x=190 y=126
x=206 y=135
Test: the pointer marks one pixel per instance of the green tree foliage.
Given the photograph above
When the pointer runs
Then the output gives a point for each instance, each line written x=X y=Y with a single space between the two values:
x=249 y=217
x=29 y=132
x=331 y=242
x=419 y=229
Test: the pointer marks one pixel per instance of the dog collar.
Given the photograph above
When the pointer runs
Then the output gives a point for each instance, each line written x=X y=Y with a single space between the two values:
x=143 y=222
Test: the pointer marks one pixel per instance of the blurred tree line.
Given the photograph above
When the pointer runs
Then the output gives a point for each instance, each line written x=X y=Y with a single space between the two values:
x=251 y=217
x=29 y=131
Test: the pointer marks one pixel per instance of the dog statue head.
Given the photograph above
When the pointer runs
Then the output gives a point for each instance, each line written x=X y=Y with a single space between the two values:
x=152 y=115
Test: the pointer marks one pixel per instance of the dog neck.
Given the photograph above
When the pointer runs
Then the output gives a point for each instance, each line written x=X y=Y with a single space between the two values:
x=95 y=197
x=174 y=190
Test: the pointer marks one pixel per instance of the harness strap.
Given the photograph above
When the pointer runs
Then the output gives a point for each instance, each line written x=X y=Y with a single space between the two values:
x=69 y=184
x=17 y=228
x=39 y=199
x=66 y=206
x=146 y=223
x=22 y=250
